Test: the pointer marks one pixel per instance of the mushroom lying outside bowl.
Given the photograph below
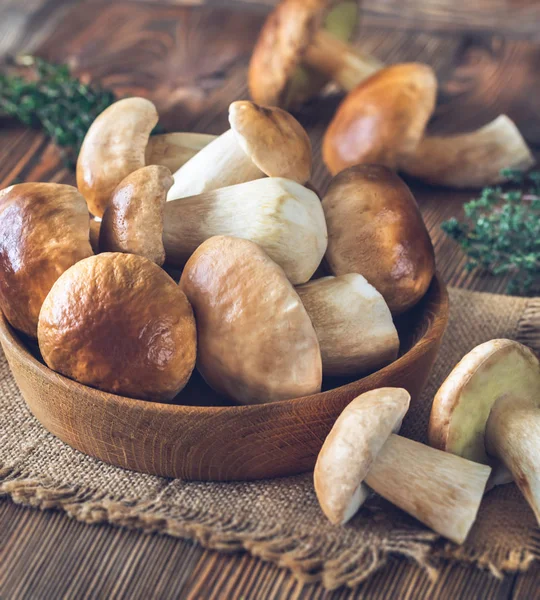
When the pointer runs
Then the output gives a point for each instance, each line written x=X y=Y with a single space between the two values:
x=200 y=435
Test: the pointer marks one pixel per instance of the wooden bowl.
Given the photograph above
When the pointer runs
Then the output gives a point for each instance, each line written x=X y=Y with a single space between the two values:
x=195 y=439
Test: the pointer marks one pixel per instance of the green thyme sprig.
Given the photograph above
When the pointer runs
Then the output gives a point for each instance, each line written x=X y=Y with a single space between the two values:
x=501 y=231
x=48 y=97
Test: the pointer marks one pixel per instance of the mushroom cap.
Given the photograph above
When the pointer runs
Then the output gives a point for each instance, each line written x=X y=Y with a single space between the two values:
x=114 y=147
x=273 y=139
x=375 y=228
x=352 y=445
x=133 y=219
x=382 y=119
x=44 y=229
x=256 y=341
x=172 y=150
x=462 y=405
x=119 y=323
x=353 y=324
x=276 y=76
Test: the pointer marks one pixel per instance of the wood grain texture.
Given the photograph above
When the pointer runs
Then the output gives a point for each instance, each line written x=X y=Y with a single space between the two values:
x=46 y=555
x=513 y=18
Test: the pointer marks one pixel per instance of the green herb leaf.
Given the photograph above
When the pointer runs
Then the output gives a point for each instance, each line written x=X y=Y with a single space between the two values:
x=501 y=231
x=49 y=98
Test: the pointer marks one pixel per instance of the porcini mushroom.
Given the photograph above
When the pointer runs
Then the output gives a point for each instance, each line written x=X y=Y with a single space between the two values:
x=303 y=45
x=119 y=323
x=382 y=119
x=473 y=159
x=133 y=219
x=172 y=150
x=353 y=324
x=283 y=217
x=256 y=341
x=375 y=228
x=262 y=141
x=489 y=408
x=441 y=490
x=44 y=229
x=114 y=147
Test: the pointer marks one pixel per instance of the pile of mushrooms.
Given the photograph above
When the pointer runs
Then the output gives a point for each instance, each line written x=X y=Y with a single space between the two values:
x=383 y=119
x=81 y=272
x=80 y=268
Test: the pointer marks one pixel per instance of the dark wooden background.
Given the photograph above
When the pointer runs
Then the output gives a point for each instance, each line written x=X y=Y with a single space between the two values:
x=191 y=61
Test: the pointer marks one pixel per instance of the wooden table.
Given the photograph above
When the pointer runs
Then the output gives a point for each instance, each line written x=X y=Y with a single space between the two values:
x=486 y=58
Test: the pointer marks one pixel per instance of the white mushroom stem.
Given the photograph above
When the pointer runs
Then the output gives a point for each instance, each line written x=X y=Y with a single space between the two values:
x=441 y=490
x=353 y=323
x=172 y=150
x=513 y=436
x=339 y=61
x=472 y=159
x=282 y=216
x=221 y=163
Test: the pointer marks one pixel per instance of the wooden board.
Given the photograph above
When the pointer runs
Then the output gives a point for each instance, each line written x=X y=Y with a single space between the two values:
x=192 y=62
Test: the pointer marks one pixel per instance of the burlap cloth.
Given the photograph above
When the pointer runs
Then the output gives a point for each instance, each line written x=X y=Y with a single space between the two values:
x=279 y=520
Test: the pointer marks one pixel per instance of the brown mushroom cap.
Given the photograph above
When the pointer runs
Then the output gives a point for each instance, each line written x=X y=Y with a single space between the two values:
x=119 y=323
x=382 y=119
x=463 y=404
x=375 y=228
x=273 y=139
x=351 y=447
x=172 y=150
x=256 y=341
x=276 y=76
x=44 y=229
x=114 y=147
x=133 y=219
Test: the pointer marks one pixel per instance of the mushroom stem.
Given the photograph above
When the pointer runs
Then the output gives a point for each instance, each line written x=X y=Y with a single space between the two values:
x=282 y=216
x=513 y=436
x=221 y=163
x=441 y=490
x=339 y=61
x=473 y=159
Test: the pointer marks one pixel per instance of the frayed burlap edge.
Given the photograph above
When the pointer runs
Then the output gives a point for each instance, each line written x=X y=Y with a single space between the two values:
x=277 y=544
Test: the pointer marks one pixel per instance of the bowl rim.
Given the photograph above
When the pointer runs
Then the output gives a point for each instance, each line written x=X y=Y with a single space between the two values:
x=437 y=294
